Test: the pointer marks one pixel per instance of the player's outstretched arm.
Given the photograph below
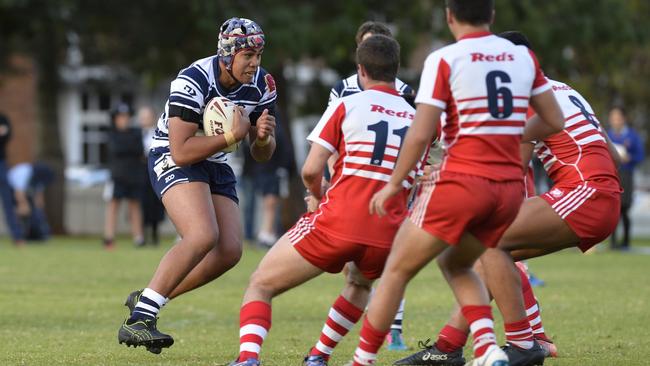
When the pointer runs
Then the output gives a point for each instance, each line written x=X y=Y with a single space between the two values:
x=549 y=119
x=418 y=137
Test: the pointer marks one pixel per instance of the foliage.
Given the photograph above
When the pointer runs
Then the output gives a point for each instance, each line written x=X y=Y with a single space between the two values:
x=598 y=47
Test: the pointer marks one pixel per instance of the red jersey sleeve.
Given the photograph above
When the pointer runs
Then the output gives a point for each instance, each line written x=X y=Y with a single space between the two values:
x=327 y=132
x=434 y=82
x=540 y=84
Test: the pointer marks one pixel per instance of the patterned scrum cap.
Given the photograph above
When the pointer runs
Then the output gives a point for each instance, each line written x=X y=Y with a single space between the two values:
x=238 y=34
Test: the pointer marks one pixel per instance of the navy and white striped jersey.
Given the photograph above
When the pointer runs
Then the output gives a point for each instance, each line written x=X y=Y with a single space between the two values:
x=197 y=84
x=350 y=85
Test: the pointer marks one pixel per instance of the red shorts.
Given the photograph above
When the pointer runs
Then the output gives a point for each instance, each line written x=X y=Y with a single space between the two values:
x=330 y=254
x=591 y=213
x=457 y=203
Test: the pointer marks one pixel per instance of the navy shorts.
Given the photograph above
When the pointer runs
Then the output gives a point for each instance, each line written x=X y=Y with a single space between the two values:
x=267 y=183
x=124 y=190
x=164 y=173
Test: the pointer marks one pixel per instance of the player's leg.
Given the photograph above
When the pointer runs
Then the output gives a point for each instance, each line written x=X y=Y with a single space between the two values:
x=342 y=316
x=456 y=265
x=191 y=210
x=503 y=280
x=533 y=312
x=549 y=233
x=281 y=269
x=447 y=350
x=395 y=338
x=224 y=255
x=401 y=267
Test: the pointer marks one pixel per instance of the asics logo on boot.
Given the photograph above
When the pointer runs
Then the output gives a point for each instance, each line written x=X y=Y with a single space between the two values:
x=433 y=357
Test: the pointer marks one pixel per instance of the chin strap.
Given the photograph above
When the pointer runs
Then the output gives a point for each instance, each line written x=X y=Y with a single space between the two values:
x=229 y=71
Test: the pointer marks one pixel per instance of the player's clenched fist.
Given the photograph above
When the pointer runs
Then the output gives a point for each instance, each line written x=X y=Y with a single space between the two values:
x=265 y=125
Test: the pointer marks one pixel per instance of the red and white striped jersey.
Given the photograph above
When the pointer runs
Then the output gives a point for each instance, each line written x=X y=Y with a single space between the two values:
x=483 y=83
x=578 y=153
x=366 y=130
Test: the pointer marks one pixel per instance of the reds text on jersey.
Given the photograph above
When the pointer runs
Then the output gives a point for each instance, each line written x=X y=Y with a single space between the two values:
x=366 y=129
x=484 y=84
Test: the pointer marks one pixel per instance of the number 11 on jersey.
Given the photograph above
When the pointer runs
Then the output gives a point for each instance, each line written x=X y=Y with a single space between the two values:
x=381 y=140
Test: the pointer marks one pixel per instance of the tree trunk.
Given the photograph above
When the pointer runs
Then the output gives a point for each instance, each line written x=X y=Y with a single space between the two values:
x=50 y=141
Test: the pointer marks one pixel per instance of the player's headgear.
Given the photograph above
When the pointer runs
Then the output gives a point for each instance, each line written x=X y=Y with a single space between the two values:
x=237 y=34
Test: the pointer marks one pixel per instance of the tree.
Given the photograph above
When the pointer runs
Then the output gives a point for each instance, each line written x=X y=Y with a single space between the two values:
x=597 y=46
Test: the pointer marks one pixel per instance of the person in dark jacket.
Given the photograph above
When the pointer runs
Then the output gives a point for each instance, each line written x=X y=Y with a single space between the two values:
x=125 y=164
x=153 y=211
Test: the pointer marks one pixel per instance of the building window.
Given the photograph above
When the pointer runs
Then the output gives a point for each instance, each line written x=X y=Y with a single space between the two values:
x=95 y=145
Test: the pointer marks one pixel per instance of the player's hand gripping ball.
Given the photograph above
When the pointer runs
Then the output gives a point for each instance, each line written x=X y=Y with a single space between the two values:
x=218 y=118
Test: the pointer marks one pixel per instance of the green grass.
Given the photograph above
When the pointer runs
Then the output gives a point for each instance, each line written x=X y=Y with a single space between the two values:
x=61 y=304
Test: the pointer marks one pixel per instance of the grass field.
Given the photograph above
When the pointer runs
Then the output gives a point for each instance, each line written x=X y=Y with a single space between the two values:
x=61 y=304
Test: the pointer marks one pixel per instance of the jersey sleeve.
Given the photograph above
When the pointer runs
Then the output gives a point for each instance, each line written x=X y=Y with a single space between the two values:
x=434 y=82
x=335 y=93
x=540 y=84
x=328 y=132
x=187 y=94
x=406 y=90
x=269 y=93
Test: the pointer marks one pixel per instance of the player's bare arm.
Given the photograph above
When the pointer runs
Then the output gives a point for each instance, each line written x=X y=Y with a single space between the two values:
x=549 y=119
x=312 y=170
x=186 y=148
x=526 y=150
x=262 y=137
x=418 y=137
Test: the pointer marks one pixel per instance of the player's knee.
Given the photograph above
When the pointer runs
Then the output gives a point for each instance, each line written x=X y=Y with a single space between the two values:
x=400 y=270
x=358 y=281
x=260 y=282
x=203 y=241
x=450 y=267
x=231 y=255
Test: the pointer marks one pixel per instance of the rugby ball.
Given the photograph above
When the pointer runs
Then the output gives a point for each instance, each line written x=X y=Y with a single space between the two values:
x=218 y=118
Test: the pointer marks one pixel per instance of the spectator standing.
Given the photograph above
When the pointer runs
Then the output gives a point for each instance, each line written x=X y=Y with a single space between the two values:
x=153 y=211
x=6 y=193
x=269 y=179
x=629 y=145
x=125 y=164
